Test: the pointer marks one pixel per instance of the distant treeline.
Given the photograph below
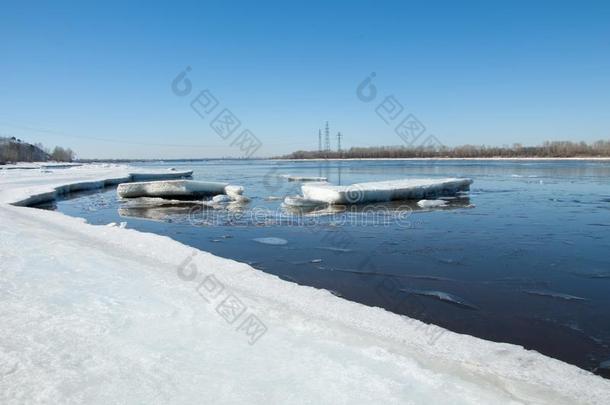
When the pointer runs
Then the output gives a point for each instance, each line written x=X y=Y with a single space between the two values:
x=15 y=150
x=556 y=149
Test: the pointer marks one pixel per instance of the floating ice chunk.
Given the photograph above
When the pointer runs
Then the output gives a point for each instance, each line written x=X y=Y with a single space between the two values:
x=306 y=178
x=221 y=199
x=553 y=294
x=233 y=191
x=384 y=190
x=427 y=277
x=239 y=199
x=443 y=296
x=353 y=271
x=431 y=203
x=603 y=368
x=121 y=225
x=335 y=249
x=299 y=263
x=170 y=188
x=600 y=275
x=272 y=198
x=298 y=201
x=271 y=241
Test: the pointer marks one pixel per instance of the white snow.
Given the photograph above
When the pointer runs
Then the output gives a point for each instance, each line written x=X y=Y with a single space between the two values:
x=170 y=189
x=98 y=315
x=384 y=190
x=27 y=187
x=39 y=165
x=431 y=203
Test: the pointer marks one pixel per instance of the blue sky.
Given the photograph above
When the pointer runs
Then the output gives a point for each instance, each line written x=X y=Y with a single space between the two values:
x=98 y=78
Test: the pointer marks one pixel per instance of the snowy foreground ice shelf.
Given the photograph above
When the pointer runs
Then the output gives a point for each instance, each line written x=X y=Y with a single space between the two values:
x=99 y=315
x=382 y=191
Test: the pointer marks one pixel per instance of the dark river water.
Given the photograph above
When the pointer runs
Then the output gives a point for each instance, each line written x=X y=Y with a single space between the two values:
x=523 y=258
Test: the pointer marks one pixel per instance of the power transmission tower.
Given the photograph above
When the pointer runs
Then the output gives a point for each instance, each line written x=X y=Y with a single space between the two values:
x=339 y=136
x=319 y=140
x=327 y=138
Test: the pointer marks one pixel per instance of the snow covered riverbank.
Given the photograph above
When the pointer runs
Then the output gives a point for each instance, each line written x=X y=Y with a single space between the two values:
x=96 y=314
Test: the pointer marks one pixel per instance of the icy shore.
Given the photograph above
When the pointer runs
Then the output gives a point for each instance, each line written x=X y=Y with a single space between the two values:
x=96 y=314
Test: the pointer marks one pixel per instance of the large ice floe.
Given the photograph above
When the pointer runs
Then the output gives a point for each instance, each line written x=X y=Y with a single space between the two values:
x=379 y=191
x=178 y=189
x=98 y=314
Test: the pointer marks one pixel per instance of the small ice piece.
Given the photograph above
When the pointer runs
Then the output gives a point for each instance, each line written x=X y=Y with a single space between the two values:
x=112 y=224
x=298 y=201
x=240 y=199
x=233 y=191
x=426 y=277
x=443 y=296
x=335 y=293
x=335 y=249
x=603 y=368
x=382 y=191
x=354 y=271
x=306 y=178
x=171 y=189
x=431 y=203
x=300 y=263
x=221 y=199
x=123 y=225
x=271 y=241
x=272 y=198
x=553 y=294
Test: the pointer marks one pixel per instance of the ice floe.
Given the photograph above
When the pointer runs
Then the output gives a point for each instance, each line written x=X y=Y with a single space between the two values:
x=553 y=294
x=306 y=178
x=431 y=203
x=171 y=189
x=384 y=190
x=443 y=296
x=221 y=199
x=271 y=241
x=298 y=201
x=234 y=191
x=335 y=249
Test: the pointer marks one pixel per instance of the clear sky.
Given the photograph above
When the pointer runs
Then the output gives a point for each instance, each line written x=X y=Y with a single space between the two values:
x=98 y=78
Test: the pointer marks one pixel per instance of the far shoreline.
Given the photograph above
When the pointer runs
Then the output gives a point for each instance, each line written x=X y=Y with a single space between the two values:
x=592 y=158
x=79 y=162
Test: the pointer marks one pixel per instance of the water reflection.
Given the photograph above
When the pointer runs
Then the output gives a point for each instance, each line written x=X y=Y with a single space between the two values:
x=204 y=213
